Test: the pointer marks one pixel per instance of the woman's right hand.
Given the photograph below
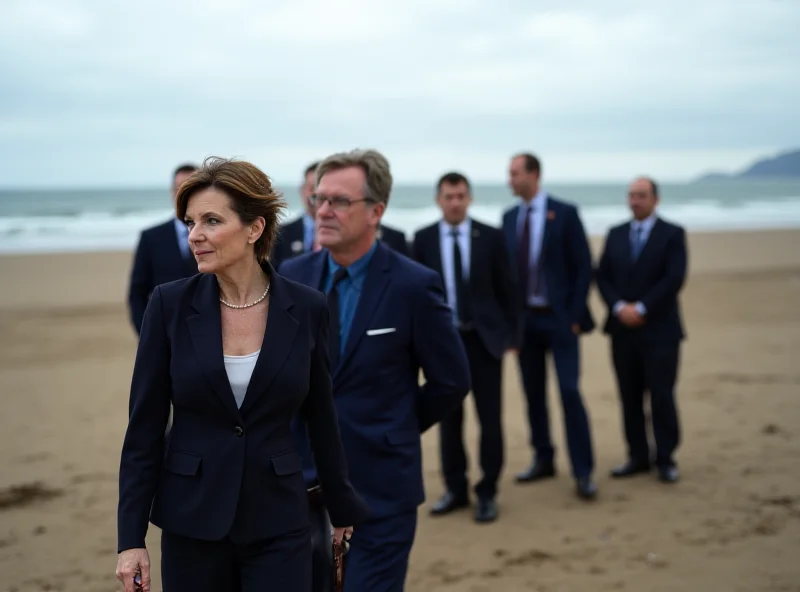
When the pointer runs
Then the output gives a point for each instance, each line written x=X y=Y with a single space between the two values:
x=342 y=534
x=129 y=563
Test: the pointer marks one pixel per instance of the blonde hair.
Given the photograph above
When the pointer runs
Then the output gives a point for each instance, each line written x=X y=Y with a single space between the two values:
x=376 y=169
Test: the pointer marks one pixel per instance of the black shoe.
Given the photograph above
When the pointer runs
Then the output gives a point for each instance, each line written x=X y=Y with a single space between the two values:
x=586 y=488
x=536 y=472
x=449 y=503
x=629 y=469
x=668 y=474
x=486 y=510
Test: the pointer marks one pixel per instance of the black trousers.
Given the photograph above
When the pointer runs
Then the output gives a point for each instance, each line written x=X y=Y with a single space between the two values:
x=645 y=367
x=281 y=563
x=486 y=373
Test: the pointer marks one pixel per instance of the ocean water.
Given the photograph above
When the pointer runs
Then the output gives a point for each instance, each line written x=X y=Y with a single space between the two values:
x=41 y=221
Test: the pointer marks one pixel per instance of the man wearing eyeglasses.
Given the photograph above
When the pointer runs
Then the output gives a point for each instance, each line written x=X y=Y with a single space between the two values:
x=297 y=237
x=388 y=320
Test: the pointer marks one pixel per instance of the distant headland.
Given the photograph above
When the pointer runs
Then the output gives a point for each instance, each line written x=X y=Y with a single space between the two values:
x=781 y=166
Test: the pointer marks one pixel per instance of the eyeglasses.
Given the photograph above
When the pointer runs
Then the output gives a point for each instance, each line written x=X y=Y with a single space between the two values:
x=337 y=203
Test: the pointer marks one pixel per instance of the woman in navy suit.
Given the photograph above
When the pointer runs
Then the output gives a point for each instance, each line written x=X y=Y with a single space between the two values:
x=237 y=351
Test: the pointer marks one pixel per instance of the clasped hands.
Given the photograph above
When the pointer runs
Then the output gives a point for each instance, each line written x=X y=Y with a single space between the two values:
x=630 y=316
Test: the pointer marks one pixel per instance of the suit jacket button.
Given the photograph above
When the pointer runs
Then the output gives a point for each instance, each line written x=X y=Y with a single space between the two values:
x=238 y=430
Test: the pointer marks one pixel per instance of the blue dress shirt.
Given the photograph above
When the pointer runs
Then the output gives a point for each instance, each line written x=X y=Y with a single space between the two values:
x=349 y=290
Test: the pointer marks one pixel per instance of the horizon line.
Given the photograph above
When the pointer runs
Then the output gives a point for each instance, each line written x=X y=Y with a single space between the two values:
x=284 y=184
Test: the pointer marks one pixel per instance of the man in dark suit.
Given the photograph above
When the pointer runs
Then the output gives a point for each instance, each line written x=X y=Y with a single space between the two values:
x=162 y=255
x=551 y=254
x=389 y=320
x=640 y=274
x=297 y=237
x=472 y=259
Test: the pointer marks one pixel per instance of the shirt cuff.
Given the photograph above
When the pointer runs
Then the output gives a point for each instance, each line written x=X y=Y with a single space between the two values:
x=640 y=308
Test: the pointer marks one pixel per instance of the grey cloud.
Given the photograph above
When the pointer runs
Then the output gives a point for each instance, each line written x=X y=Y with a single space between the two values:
x=133 y=87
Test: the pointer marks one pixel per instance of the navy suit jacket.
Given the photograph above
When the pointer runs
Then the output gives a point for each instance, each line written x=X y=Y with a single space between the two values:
x=290 y=241
x=227 y=471
x=382 y=408
x=654 y=279
x=565 y=258
x=158 y=260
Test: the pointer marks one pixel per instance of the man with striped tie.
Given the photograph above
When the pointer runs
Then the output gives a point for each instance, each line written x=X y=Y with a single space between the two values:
x=640 y=274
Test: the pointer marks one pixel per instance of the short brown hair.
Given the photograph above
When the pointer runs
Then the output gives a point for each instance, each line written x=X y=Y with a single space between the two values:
x=452 y=178
x=532 y=164
x=186 y=167
x=376 y=169
x=249 y=190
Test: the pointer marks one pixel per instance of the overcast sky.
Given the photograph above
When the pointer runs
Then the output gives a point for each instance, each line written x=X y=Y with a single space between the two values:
x=111 y=93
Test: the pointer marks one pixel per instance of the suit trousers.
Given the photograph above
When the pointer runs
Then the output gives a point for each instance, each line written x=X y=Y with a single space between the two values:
x=486 y=374
x=543 y=333
x=280 y=563
x=642 y=367
x=378 y=557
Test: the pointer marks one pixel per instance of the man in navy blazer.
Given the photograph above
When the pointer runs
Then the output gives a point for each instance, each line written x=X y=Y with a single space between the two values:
x=641 y=272
x=162 y=256
x=551 y=255
x=390 y=320
x=297 y=237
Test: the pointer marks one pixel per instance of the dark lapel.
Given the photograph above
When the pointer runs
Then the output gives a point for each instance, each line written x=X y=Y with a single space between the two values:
x=205 y=328
x=188 y=261
x=295 y=233
x=475 y=251
x=172 y=249
x=510 y=228
x=278 y=340
x=374 y=285
x=315 y=270
x=550 y=219
x=435 y=250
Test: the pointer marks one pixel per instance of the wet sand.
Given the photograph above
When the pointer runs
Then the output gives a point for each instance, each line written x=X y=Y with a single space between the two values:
x=733 y=523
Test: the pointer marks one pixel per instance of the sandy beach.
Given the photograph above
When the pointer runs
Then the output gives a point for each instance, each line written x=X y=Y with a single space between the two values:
x=732 y=523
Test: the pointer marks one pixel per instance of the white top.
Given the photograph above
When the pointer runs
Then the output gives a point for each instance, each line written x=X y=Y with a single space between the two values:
x=239 y=370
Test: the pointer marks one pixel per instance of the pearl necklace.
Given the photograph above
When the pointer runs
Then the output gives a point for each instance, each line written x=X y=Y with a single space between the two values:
x=260 y=298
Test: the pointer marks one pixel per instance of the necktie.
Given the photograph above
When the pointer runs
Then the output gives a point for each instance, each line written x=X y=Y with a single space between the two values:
x=524 y=253
x=462 y=298
x=637 y=242
x=335 y=337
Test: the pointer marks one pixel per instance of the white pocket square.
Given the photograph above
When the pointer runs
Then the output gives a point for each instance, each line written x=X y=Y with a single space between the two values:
x=372 y=332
